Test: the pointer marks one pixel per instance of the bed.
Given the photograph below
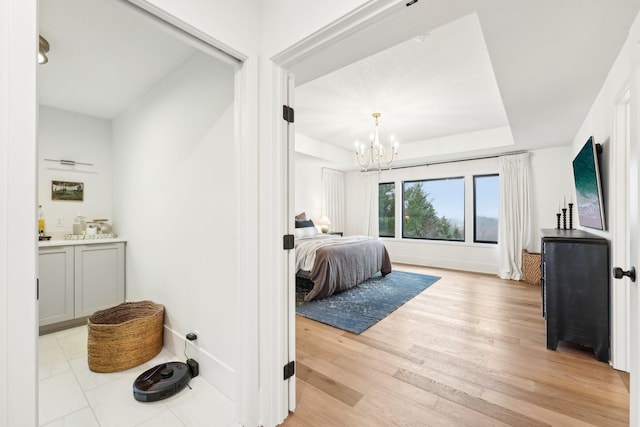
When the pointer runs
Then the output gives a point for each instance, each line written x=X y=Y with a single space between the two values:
x=335 y=263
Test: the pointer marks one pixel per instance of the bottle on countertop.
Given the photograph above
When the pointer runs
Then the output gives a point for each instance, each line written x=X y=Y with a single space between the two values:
x=41 y=221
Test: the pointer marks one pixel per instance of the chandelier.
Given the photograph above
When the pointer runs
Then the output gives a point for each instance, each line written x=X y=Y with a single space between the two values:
x=377 y=155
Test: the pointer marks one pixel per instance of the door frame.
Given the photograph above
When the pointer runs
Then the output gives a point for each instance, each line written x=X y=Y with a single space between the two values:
x=18 y=207
x=290 y=259
x=277 y=72
x=634 y=224
x=620 y=292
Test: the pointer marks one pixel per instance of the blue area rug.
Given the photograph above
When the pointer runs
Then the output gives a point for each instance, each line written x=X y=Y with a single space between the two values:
x=357 y=309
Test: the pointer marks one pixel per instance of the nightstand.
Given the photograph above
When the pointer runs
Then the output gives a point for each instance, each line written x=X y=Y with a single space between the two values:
x=336 y=233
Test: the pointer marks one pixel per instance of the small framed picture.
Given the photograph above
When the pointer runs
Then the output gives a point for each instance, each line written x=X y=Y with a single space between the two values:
x=66 y=190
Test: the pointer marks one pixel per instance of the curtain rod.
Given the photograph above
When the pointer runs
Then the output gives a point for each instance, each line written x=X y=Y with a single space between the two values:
x=467 y=159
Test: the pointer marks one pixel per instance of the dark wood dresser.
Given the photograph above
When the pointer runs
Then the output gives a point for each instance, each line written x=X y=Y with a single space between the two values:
x=575 y=289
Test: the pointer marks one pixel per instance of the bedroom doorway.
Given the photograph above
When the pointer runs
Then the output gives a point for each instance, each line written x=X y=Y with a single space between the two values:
x=316 y=56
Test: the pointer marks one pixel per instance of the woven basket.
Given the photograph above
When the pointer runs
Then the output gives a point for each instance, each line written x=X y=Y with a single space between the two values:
x=531 y=267
x=125 y=336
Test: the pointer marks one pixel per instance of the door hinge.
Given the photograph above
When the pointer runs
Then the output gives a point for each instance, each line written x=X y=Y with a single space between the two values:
x=287 y=113
x=289 y=370
x=287 y=242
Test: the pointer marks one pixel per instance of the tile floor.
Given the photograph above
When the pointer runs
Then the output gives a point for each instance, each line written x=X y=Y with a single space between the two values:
x=72 y=395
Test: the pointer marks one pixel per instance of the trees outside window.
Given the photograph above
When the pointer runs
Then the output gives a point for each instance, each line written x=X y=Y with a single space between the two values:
x=387 y=209
x=433 y=209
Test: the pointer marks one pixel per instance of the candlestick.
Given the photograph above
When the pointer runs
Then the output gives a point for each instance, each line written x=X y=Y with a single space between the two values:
x=564 y=218
x=570 y=216
x=558 y=226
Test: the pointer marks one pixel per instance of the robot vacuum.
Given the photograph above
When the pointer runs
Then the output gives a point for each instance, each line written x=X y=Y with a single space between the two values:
x=163 y=380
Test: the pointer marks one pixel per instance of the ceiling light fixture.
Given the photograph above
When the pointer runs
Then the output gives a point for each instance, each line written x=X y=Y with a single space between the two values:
x=43 y=48
x=377 y=154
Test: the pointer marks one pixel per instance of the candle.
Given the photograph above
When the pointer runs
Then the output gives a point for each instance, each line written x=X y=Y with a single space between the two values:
x=565 y=201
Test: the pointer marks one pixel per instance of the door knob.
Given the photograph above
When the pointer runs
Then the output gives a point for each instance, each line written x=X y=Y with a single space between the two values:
x=619 y=273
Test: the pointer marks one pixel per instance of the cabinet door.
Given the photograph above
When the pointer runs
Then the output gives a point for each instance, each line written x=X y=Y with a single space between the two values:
x=99 y=277
x=55 y=272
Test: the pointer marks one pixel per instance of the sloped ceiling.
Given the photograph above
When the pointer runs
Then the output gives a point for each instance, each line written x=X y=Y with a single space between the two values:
x=103 y=56
x=464 y=78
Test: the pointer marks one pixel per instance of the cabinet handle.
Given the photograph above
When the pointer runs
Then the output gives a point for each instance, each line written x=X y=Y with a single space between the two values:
x=619 y=273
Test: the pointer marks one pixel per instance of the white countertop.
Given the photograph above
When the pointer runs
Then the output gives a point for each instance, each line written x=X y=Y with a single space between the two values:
x=64 y=242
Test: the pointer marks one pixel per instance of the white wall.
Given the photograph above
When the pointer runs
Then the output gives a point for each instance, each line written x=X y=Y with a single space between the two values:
x=308 y=182
x=175 y=203
x=617 y=182
x=231 y=26
x=599 y=124
x=70 y=136
x=552 y=183
x=286 y=22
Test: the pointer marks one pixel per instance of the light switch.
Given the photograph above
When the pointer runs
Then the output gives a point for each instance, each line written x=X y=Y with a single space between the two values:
x=60 y=222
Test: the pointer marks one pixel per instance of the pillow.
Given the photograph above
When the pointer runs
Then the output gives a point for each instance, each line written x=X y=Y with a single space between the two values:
x=301 y=216
x=301 y=224
x=302 y=232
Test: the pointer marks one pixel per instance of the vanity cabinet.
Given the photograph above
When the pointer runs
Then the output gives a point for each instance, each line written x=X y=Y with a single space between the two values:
x=99 y=277
x=56 y=284
x=77 y=280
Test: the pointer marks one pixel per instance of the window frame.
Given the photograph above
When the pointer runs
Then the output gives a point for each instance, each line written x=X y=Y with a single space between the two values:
x=475 y=215
x=393 y=236
x=464 y=210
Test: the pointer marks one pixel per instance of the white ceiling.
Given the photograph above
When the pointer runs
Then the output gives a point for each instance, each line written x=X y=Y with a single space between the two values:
x=491 y=76
x=428 y=87
x=103 y=56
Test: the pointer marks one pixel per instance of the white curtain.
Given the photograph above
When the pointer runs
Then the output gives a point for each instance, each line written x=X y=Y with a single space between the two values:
x=333 y=198
x=370 y=225
x=515 y=214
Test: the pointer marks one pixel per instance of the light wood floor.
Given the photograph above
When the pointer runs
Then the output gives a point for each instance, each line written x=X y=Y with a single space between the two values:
x=469 y=350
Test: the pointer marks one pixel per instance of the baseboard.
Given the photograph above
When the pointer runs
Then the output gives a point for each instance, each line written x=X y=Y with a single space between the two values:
x=213 y=370
x=67 y=324
x=475 y=267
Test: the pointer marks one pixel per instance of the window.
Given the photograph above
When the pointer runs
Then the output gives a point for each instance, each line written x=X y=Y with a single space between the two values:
x=433 y=209
x=387 y=209
x=486 y=195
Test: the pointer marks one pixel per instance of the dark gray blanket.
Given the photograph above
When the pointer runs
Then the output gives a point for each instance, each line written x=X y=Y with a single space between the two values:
x=342 y=267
